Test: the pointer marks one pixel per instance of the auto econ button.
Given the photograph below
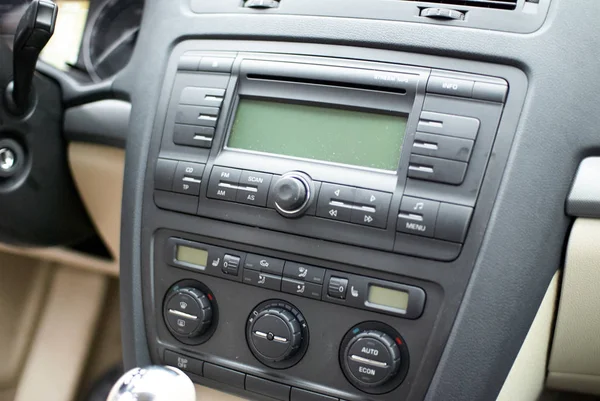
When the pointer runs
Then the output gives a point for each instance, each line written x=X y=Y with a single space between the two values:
x=417 y=216
x=371 y=208
x=253 y=188
x=336 y=201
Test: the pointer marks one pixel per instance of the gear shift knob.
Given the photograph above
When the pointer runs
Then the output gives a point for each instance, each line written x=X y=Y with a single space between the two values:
x=154 y=383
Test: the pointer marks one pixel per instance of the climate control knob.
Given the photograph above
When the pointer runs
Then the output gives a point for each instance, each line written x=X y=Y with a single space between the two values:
x=293 y=193
x=374 y=357
x=188 y=313
x=277 y=334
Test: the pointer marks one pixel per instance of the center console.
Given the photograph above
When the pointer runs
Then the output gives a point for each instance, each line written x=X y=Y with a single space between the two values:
x=312 y=217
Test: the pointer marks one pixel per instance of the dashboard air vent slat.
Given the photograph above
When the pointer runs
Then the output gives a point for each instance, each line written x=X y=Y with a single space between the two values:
x=501 y=4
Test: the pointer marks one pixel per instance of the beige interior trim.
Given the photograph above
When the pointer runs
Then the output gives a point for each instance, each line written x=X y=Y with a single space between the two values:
x=525 y=381
x=98 y=173
x=575 y=358
x=66 y=257
x=61 y=343
x=23 y=286
x=208 y=394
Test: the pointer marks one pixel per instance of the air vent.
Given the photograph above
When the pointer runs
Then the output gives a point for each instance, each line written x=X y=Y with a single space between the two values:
x=501 y=4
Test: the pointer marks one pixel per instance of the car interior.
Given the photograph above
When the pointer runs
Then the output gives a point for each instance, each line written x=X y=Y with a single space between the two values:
x=299 y=200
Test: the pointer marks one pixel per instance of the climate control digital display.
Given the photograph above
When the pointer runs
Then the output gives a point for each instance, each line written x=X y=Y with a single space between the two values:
x=388 y=297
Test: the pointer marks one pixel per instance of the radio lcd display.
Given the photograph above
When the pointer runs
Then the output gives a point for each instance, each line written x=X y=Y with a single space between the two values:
x=358 y=138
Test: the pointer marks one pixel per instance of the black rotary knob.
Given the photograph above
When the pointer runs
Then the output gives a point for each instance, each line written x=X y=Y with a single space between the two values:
x=374 y=357
x=188 y=312
x=293 y=194
x=277 y=334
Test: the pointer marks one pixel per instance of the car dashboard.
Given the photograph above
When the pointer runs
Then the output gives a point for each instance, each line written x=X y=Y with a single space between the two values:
x=326 y=200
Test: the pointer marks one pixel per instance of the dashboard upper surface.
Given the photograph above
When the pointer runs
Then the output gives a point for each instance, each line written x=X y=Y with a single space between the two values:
x=519 y=253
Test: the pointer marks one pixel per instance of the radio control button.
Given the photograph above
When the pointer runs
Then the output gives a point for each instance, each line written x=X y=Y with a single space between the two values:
x=417 y=216
x=450 y=86
x=448 y=124
x=264 y=264
x=164 y=173
x=211 y=97
x=193 y=135
x=188 y=177
x=223 y=183
x=216 y=64
x=371 y=208
x=336 y=202
x=439 y=170
x=452 y=222
x=303 y=272
x=253 y=188
x=188 y=63
x=197 y=115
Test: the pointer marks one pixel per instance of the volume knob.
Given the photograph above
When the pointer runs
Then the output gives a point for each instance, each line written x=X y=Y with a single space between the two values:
x=293 y=194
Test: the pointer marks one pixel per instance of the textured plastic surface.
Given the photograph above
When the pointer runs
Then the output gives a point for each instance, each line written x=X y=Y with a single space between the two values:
x=39 y=204
x=584 y=198
x=104 y=122
x=509 y=277
x=527 y=17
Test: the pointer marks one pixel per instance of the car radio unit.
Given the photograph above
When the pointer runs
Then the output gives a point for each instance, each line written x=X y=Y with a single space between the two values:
x=386 y=157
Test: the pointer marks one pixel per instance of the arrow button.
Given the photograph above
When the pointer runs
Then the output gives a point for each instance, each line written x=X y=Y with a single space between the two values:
x=365 y=201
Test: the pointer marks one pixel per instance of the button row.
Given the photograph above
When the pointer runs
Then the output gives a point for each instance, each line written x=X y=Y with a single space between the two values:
x=257 y=385
x=205 y=63
x=434 y=219
x=242 y=186
x=355 y=205
x=493 y=92
x=294 y=278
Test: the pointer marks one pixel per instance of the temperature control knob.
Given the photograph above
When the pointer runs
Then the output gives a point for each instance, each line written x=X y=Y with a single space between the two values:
x=188 y=313
x=277 y=334
x=293 y=193
x=374 y=357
